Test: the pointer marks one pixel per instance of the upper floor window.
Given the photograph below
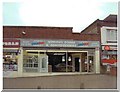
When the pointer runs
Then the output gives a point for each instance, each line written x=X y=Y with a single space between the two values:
x=111 y=35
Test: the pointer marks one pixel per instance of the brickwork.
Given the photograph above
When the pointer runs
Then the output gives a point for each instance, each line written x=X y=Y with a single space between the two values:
x=46 y=33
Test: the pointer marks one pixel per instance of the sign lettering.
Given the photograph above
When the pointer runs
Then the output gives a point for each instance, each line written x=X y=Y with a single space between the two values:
x=58 y=43
x=11 y=43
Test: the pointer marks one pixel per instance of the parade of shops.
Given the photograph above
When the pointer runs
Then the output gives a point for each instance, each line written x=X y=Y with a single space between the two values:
x=37 y=50
x=33 y=55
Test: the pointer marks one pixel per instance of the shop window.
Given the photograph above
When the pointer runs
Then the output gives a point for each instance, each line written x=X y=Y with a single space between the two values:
x=109 y=55
x=69 y=63
x=10 y=61
x=57 y=61
x=90 y=63
x=72 y=62
x=30 y=63
x=84 y=63
x=44 y=63
x=111 y=35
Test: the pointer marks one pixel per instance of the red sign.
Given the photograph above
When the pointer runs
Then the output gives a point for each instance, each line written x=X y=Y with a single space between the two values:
x=106 y=47
x=11 y=43
x=110 y=61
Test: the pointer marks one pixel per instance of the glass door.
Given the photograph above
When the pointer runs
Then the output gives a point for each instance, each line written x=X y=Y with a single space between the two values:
x=43 y=63
x=76 y=62
x=80 y=62
x=34 y=61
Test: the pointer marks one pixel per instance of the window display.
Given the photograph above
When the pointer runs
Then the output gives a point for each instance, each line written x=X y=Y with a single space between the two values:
x=30 y=63
x=109 y=57
x=10 y=61
x=91 y=63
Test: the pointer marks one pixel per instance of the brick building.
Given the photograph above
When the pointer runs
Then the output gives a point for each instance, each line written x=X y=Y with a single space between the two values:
x=35 y=32
x=36 y=51
x=107 y=31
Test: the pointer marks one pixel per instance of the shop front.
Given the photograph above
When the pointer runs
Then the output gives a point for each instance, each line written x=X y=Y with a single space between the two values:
x=59 y=56
x=109 y=58
x=10 y=56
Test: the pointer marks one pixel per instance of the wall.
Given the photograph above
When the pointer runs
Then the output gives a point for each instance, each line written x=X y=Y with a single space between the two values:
x=92 y=28
x=64 y=81
x=97 y=60
x=37 y=32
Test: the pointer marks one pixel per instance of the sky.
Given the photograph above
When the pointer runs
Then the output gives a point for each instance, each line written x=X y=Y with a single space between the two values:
x=57 y=13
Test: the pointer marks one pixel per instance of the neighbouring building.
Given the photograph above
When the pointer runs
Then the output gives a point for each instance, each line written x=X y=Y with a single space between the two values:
x=37 y=51
x=107 y=31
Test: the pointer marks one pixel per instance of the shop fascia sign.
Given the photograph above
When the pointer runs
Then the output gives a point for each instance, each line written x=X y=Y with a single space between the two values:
x=11 y=43
x=83 y=44
x=58 y=43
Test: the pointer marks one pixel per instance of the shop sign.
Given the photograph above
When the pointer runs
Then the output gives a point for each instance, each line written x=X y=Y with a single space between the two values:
x=106 y=47
x=83 y=44
x=114 y=52
x=110 y=47
x=37 y=43
x=109 y=61
x=58 y=43
x=11 y=43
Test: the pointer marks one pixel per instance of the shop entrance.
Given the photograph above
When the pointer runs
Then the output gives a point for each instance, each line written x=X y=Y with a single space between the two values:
x=35 y=62
x=43 y=63
x=76 y=62
x=80 y=62
x=53 y=61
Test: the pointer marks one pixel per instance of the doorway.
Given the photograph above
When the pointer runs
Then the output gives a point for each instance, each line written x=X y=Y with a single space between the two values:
x=76 y=61
x=80 y=62
x=77 y=64
x=43 y=62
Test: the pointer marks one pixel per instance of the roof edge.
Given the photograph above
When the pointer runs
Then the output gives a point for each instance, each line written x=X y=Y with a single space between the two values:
x=90 y=25
x=37 y=27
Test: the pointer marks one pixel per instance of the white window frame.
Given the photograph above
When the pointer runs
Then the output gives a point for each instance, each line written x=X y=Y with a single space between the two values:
x=104 y=39
x=112 y=36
